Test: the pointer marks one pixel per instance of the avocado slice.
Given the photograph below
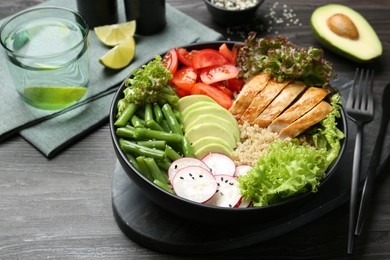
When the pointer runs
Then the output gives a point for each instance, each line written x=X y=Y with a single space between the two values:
x=211 y=129
x=186 y=101
x=213 y=147
x=345 y=32
x=206 y=118
x=210 y=144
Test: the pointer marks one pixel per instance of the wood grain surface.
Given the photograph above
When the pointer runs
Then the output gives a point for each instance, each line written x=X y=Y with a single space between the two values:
x=61 y=208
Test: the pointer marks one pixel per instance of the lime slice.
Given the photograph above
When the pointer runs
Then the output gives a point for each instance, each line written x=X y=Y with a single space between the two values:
x=52 y=97
x=112 y=35
x=120 y=56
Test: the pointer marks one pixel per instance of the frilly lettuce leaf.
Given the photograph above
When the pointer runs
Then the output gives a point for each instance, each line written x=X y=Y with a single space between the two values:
x=286 y=169
x=326 y=134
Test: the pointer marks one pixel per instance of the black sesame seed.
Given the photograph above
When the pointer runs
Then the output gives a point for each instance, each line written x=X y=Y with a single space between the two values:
x=175 y=166
x=181 y=177
x=201 y=176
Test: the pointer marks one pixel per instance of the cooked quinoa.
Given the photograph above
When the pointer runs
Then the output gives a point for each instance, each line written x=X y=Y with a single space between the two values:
x=254 y=142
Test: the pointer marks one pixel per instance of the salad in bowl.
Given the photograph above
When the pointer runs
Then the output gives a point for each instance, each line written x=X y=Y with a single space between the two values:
x=232 y=130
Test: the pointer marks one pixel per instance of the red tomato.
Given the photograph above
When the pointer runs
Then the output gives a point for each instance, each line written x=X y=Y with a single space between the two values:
x=214 y=74
x=185 y=56
x=170 y=61
x=182 y=92
x=224 y=89
x=207 y=58
x=185 y=78
x=227 y=53
x=235 y=84
x=218 y=95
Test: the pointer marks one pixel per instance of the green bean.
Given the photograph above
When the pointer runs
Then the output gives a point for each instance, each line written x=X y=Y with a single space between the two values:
x=158 y=113
x=171 y=153
x=187 y=147
x=133 y=161
x=165 y=126
x=144 y=168
x=157 y=135
x=148 y=112
x=126 y=115
x=137 y=149
x=179 y=116
x=164 y=186
x=125 y=132
x=137 y=122
x=158 y=144
x=164 y=164
x=155 y=170
x=171 y=119
x=154 y=125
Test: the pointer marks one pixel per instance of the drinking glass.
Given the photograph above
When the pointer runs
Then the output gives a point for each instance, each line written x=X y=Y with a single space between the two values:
x=47 y=52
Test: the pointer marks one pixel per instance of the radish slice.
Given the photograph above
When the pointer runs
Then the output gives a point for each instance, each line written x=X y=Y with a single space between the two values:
x=194 y=183
x=228 y=193
x=242 y=170
x=220 y=164
x=181 y=163
x=245 y=203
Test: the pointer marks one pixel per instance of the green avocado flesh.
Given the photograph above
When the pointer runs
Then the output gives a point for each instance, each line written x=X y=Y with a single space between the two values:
x=365 y=47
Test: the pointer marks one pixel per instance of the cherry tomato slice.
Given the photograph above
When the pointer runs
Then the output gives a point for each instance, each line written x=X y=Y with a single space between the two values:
x=170 y=61
x=224 y=89
x=227 y=53
x=218 y=95
x=235 y=84
x=207 y=58
x=218 y=73
x=185 y=56
x=185 y=78
x=182 y=92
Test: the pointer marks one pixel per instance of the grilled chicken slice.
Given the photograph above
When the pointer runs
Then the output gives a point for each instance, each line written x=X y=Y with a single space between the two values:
x=307 y=101
x=279 y=104
x=262 y=99
x=248 y=93
x=315 y=115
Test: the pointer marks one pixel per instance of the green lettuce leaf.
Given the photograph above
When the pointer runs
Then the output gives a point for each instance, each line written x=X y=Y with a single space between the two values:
x=285 y=170
x=326 y=134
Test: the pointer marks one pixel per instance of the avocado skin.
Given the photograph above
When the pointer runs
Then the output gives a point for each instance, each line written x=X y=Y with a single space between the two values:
x=338 y=50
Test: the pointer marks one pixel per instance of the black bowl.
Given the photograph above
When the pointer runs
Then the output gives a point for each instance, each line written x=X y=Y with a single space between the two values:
x=202 y=212
x=227 y=17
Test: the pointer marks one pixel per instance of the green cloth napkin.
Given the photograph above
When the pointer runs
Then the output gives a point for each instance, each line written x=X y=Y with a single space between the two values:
x=53 y=135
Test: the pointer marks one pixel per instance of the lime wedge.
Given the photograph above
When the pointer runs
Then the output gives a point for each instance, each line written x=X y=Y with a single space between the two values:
x=52 y=97
x=120 y=56
x=114 y=34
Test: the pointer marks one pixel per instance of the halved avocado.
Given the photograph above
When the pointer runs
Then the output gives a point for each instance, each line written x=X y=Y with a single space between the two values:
x=346 y=32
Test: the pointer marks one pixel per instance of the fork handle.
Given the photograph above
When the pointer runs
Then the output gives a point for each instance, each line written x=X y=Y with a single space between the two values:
x=371 y=173
x=354 y=187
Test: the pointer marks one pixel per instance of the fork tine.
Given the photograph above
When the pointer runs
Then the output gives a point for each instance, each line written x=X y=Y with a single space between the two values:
x=370 y=98
x=352 y=93
x=365 y=88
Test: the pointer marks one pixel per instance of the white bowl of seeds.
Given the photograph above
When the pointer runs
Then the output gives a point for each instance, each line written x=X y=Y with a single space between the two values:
x=232 y=12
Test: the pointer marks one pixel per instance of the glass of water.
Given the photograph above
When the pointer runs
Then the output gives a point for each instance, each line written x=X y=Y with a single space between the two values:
x=47 y=52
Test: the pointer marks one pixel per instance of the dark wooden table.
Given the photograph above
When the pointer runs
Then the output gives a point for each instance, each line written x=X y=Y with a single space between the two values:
x=61 y=208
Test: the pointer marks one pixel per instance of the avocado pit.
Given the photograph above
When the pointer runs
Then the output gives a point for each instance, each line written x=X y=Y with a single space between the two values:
x=343 y=26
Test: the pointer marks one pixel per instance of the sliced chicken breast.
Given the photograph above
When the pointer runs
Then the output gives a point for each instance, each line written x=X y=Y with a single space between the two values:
x=306 y=101
x=315 y=115
x=248 y=93
x=262 y=99
x=279 y=104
